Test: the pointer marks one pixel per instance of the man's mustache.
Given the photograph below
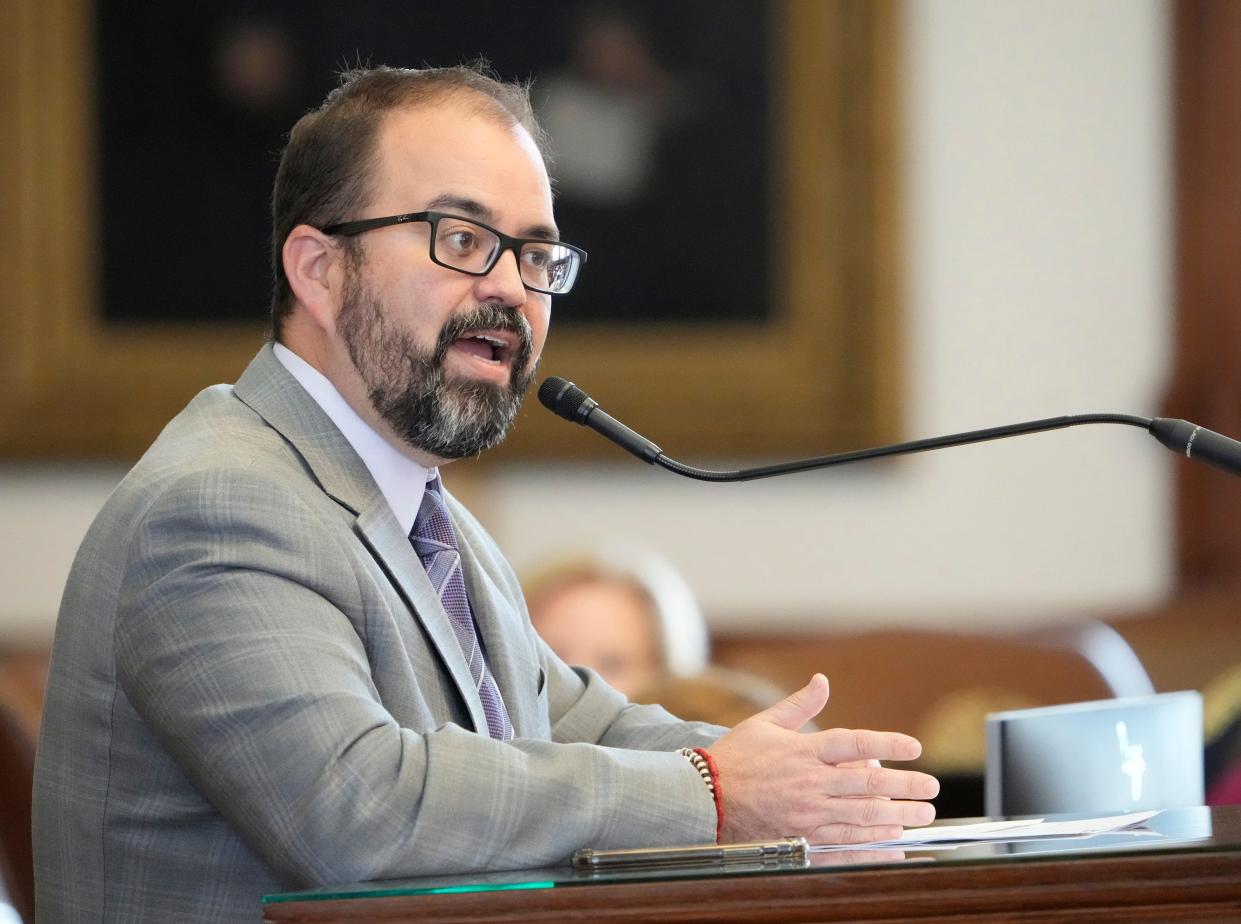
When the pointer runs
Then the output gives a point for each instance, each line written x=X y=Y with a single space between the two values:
x=488 y=317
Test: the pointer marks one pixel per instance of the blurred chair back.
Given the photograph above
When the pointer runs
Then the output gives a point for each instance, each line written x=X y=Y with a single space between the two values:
x=16 y=781
x=939 y=686
x=1106 y=650
x=21 y=689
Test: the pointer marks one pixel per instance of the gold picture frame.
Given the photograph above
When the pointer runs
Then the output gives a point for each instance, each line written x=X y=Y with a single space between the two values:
x=820 y=375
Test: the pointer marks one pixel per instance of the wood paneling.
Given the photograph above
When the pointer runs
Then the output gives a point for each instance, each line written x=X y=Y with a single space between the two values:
x=1206 y=386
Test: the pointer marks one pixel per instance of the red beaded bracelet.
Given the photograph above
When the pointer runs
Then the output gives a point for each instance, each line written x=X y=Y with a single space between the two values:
x=716 y=792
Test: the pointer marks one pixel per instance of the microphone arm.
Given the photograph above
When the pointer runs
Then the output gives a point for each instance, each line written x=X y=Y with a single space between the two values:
x=566 y=400
x=898 y=449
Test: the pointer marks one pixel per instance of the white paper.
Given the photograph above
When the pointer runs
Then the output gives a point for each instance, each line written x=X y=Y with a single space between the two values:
x=949 y=836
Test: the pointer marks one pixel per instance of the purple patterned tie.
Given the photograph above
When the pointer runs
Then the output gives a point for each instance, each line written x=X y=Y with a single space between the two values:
x=436 y=544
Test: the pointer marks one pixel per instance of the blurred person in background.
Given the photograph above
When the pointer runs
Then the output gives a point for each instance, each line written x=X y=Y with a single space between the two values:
x=631 y=616
x=628 y=615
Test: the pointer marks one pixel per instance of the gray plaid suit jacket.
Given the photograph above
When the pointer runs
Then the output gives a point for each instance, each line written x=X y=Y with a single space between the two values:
x=254 y=688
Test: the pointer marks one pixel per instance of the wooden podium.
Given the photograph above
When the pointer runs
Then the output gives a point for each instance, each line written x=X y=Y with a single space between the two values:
x=1192 y=872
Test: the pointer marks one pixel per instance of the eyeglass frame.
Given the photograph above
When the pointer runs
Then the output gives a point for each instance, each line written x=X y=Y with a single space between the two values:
x=433 y=218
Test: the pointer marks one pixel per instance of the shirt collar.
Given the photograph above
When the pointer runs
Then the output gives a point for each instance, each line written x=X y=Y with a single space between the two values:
x=400 y=478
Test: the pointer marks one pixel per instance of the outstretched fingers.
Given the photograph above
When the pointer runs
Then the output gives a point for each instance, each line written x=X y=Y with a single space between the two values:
x=880 y=781
x=850 y=745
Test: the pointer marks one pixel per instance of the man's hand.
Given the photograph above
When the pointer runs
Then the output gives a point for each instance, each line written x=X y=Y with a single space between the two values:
x=826 y=786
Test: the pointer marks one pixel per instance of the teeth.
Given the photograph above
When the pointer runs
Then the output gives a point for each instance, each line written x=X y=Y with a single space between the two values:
x=493 y=341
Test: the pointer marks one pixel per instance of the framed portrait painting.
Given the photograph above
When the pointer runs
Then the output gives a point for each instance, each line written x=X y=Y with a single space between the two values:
x=730 y=167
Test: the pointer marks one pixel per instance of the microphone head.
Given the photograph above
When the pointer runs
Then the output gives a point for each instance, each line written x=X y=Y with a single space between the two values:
x=565 y=399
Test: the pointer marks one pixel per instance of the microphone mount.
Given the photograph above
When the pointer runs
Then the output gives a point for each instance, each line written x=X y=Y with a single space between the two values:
x=566 y=400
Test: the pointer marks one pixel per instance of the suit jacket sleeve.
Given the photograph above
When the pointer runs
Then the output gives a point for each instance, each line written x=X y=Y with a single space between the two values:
x=237 y=641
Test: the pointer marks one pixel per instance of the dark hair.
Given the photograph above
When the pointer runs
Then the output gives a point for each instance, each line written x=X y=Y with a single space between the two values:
x=326 y=168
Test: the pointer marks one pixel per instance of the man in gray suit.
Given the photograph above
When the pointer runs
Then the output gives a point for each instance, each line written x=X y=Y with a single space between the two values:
x=287 y=657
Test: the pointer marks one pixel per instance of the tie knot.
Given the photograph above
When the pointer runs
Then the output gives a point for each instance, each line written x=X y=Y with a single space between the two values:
x=433 y=522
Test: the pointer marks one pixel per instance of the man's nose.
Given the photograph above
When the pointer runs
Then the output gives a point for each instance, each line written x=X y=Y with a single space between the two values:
x=503 y=283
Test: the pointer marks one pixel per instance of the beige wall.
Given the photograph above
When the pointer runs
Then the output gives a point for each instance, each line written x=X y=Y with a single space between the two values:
x=1038 y=267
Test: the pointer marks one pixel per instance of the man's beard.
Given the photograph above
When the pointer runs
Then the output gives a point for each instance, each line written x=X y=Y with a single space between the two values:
x=408 y=387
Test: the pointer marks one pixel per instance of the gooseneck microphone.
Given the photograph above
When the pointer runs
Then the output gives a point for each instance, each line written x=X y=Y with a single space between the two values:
x=571 y=403
x=566 y=400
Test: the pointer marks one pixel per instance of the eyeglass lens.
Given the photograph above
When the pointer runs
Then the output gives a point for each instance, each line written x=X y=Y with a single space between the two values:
x=544 y=265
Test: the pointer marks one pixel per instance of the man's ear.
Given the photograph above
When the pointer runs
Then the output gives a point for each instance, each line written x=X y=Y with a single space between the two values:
x=314 y=266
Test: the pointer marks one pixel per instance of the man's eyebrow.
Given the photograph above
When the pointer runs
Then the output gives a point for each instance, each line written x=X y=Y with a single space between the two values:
x=472 y=208
x=466 y=207
x=541 y=232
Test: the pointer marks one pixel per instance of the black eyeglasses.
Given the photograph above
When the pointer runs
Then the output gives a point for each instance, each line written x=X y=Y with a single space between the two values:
x=473 y=248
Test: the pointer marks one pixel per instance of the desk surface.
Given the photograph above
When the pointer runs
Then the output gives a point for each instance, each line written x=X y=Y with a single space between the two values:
x=1192 y=872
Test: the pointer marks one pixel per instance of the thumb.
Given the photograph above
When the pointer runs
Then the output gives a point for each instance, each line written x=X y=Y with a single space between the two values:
x=796 y=709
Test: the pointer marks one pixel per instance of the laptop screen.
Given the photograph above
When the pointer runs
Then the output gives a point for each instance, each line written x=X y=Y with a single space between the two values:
x=1106 y=757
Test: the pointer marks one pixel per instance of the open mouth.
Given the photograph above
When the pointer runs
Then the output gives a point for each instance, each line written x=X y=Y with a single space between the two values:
x=490 y=346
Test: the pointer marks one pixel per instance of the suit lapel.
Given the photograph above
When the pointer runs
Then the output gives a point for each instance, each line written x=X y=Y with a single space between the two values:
x=391 y=547
x=275 y=395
